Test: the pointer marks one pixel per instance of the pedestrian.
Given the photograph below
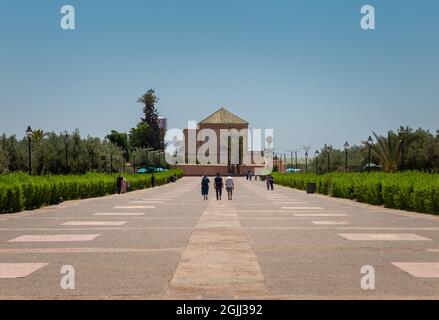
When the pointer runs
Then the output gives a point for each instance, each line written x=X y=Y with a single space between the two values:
x=247 y=175
x=152 y=181
x=271 y=182
x=119 y=184
x=267 y=182
x=230 y=185
x=205 y=187
x=123 y=188
x=219 y=185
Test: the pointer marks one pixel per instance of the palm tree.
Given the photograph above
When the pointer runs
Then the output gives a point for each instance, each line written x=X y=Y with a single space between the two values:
x=388 y=149
x=39 y=135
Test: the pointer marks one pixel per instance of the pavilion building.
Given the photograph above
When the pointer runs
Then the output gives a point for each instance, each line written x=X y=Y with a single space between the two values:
x=230 y=153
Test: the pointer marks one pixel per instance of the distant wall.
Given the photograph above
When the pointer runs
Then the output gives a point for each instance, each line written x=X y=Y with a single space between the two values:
x=211 y=170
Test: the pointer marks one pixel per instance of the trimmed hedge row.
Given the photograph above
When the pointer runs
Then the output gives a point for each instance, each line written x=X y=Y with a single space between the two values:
x=20 y=191
x=412 y=191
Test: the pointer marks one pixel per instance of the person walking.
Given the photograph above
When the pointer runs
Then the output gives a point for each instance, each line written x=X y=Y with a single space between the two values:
x=119 y=184
x=271 y=182
x=219 y=185
x=205 y=187
x=230 y=186
x=123 y=188
x=152 y=181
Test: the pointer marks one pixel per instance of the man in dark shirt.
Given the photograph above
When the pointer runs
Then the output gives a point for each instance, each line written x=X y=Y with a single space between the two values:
x=218 y=186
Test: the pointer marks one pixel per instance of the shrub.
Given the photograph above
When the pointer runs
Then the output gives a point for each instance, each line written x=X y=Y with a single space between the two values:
x=414 y=191
x=20 y=191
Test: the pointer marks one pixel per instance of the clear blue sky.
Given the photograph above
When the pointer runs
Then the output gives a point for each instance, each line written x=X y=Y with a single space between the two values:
x=304 y=68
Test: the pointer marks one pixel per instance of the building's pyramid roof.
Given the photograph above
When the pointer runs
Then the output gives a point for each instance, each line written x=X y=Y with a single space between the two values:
x=222 y=116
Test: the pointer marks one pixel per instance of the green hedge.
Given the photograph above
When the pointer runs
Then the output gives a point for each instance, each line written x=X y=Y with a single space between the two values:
x=20 y=191
x=413 y=191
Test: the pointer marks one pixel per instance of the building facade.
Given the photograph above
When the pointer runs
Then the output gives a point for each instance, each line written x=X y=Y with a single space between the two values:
x=219 y=144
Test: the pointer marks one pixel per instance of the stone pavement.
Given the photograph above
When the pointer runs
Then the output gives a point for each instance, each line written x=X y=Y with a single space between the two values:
x=167 y=243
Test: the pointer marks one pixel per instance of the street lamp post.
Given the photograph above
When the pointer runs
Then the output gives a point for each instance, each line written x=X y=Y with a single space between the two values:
x=134 y=160
x=111 y=159
x=369 y=145
x=306 y=148
x=402 y=134
x=328 y=150
x=66 y=143
x=297 y=165
x=291 y=159
x=317 y=161
x=92 y=153
x=29 y=133
x=306 y=161
x=346 y=147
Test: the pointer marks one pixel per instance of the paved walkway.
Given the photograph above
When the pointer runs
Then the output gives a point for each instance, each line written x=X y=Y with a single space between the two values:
x=167 y=243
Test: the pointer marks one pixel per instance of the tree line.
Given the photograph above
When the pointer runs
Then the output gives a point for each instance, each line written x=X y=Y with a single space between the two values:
x=62 y=153
x=403 y=149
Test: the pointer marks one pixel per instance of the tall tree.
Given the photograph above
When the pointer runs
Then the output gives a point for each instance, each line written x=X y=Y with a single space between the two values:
x=156 y=135
x=140 y=136
x=120 y=139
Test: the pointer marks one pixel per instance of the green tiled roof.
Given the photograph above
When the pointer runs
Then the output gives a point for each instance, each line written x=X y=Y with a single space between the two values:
x=222 y=116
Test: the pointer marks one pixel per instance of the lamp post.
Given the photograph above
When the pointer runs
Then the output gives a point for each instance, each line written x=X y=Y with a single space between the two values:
x=124 y=156
x=402 y=134
x=134 y=161
x=66 y=143
x=291 y=159
x=306 y=148
x=306 y=161
x=369 y=145
x=297 y=165
x=92 y=153
x=346 y=147
x=317 y=161
x=29 y=133
x=111 y=158
x=328 y=150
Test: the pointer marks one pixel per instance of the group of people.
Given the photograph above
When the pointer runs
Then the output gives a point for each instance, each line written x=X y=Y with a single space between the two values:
x=219 y=184
x=122 y=184
x=229 y=184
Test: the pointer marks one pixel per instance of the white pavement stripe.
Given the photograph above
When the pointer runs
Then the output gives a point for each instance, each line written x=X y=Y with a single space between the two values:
x=329 y=223
x=383 y=237
x=56 y=238
x=119 y=213
x=419 y=269
x=320 y=215
x=84 y=250
x=290 y=202
x=19 y=270
x=146 y=201
x=134 y=207
x=302 y=208
x=94 y=223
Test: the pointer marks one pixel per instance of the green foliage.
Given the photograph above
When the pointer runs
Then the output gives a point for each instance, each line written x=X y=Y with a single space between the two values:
x=20 y=191
x=49 y=154
x=155 y=136
x=411 y=190
x=120 y=139
x=140 y=136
